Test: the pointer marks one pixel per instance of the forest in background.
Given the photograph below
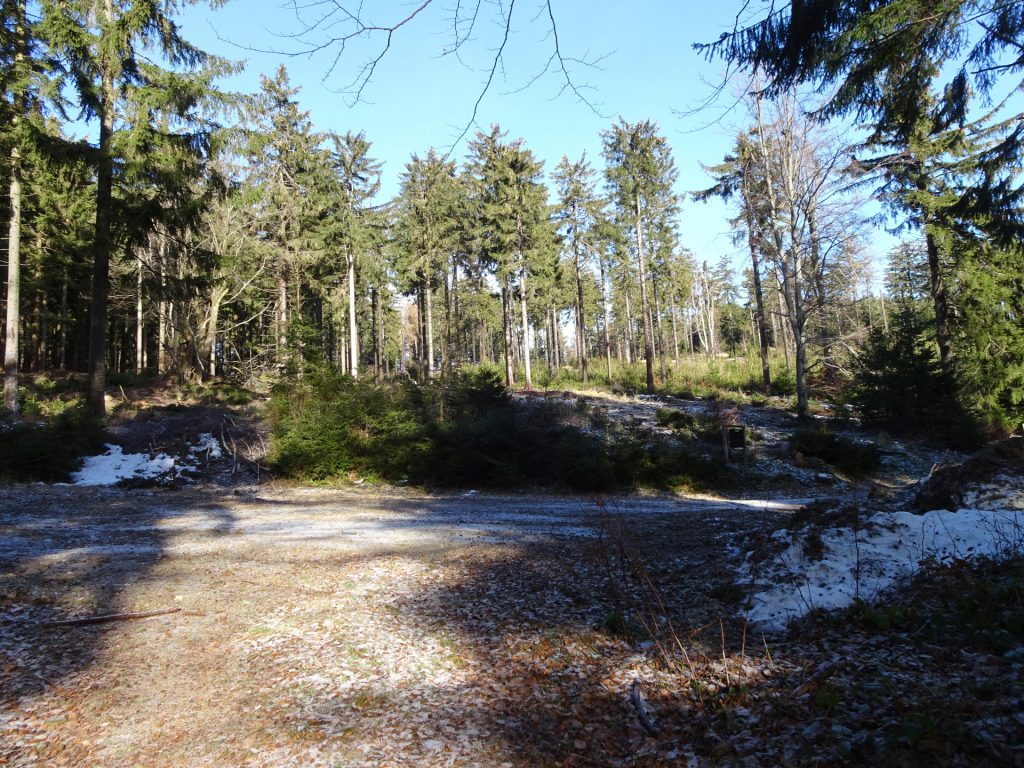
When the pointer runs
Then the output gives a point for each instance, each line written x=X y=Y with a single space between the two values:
x=205 y=234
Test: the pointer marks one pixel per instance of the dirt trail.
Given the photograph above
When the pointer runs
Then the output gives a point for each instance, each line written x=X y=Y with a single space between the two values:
x=339 y=628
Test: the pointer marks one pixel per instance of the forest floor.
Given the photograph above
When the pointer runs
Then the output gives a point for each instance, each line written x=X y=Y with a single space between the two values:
x=391 y=627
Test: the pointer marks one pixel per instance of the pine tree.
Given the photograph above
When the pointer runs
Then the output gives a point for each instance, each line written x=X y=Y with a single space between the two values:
x=512 y=216
x=640 y=173
x=110 y=48
x=351 y=229
x=426 y=231
x=577 y=212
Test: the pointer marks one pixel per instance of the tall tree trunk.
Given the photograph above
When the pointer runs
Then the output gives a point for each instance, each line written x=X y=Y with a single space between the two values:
x=789 y=260
x=162 y=311
x=102 y=238
x=549 y=343
x=140 y=356
x=13 y=286
x=353 y=331
x=506 y=322
x=581 y=327
x=607 y=314
x=208 y=351
x=755 y=266
x=937 y=288
x=661 y=329
x=627 y=333
x=11 y=340
x=559 y=341
x=528 y=374
x=62 y=332
x=644 y=310
x=374 y=314
x=446 y=347
x=282 y=311
x=429 y=326
x=675 y=330
x=44 y=331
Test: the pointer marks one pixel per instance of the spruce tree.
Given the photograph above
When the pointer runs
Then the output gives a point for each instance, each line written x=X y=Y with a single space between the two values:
x=287 y=170
x=350 y=226
x=28 y=80
x=111 y=50
x=640 y=173
x=578 y=207
x=425 y=230
x=876 y=59
x=512 y=215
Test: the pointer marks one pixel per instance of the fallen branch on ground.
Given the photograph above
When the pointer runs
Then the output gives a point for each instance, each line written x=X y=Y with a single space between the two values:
x=110 y=617
x=643 y=709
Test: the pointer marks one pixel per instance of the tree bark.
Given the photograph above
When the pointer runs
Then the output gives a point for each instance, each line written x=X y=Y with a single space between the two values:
x=937 y=288
x=581 y=334
x=429 y=325
x=140 y=357
x=353 y=331
x=102 y=240
x=644 y=311
x=528 y=374
x=607 y=315
x=661 y=329
x=282 y=310
x=762 y=324
x=13 y=286
x=506 y=323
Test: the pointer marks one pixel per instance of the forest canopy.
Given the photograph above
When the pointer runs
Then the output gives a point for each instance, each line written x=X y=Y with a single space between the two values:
x=201 y=234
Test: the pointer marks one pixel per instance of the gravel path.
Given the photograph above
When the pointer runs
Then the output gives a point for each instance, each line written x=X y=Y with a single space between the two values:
x=323 y=627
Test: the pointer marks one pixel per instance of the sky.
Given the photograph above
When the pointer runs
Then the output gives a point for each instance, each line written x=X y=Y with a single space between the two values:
x=645 y=67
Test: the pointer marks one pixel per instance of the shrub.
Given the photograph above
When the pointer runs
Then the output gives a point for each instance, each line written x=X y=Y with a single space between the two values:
x=676 y=420
x=462 y=430
x=48 y=450
x=819 y=443
x=899 y=385
x=330 y=426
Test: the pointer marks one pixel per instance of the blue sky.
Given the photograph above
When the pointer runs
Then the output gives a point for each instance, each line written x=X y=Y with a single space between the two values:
x=419 y=98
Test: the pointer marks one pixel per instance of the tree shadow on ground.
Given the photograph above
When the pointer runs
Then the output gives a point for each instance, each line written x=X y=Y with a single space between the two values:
x=528 y=650
x=71 y=553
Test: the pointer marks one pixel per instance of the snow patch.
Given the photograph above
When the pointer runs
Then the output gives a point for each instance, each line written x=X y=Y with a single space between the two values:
x=208 y=445
x=115 y=465
x=889 y=546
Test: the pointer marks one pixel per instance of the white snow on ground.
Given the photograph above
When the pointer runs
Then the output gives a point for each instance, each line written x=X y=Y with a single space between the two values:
x=115 y=465
x=888 y=547
x=208 y=445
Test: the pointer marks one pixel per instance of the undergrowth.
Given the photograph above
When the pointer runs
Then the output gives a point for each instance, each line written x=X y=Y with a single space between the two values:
x=47 y=449
x=817 y=442
x=976 y=605
x=463 y=430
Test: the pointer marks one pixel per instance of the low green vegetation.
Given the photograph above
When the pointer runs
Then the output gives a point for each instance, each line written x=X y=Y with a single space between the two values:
x=463 y=430
x=47 y=448
x=820 y=444
x=978 y=606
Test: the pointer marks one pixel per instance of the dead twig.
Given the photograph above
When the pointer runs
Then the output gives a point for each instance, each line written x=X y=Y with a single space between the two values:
x=821 y=674
x=644 y=711
x=110 y=617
